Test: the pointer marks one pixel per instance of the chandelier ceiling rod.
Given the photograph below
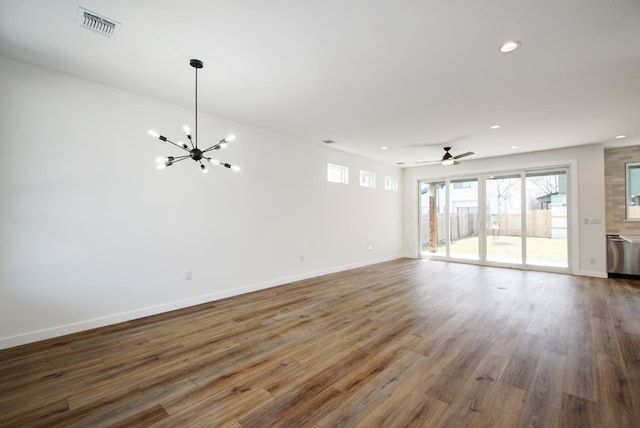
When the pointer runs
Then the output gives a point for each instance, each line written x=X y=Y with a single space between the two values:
x=196 y=63
x=195 y=153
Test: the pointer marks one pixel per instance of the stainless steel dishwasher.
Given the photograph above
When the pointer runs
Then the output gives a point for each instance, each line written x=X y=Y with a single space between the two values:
x=615 y=254
x=623 y=254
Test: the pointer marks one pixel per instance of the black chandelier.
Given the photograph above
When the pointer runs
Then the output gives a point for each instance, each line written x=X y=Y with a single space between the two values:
x=194 y=152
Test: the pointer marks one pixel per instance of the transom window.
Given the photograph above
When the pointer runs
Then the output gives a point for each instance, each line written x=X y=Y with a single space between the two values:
x=367 y=179
x=337 y=173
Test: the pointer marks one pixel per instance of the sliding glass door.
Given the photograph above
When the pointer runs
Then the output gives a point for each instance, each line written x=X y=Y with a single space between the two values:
x=523 y=222
x=433 y=225
x=546 y=197
x=503 y=223
x=463 y=219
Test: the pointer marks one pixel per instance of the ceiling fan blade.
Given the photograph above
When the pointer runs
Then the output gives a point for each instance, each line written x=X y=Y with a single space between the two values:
x=464 y=155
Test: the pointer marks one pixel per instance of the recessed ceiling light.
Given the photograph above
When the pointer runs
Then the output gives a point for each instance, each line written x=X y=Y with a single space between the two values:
x=384 y=148
x=495 y=126
x=514 y=147
x=618 y=137
x=509 y=46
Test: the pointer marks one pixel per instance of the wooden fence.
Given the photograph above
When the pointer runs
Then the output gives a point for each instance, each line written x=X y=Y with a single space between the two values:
x=466 y=225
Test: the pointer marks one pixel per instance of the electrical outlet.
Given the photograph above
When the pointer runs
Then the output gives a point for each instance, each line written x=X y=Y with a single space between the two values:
x=188 y=275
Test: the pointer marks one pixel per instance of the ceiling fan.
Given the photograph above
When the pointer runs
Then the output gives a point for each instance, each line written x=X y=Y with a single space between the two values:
x=448 y=158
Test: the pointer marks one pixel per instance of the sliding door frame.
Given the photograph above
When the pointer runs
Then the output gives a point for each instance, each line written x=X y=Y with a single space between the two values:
x=570 y=169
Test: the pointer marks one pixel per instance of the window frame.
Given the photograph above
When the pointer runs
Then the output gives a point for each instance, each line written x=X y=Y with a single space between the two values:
x=343 y=172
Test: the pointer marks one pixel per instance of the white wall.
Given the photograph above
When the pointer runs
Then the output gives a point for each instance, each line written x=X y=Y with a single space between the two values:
x=586 y=176
x=91 y=233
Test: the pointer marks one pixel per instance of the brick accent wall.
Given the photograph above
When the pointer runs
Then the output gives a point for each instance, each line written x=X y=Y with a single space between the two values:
x=615 y=189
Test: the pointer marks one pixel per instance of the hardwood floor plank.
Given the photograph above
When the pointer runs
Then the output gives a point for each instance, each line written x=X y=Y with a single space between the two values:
x=580 y=376
x=522 y=364
x=476 y=395
x=450 y=380
x=558 y=334
x=396 y=344
x=377 y=363
x=224 y=408
x=358 y=405
x=14 y=414
x=311 y=388
x=503 y=409
x=630 y=349
x=506 y=340
x=615 y=402
x=604 y=337
x=542 y=406
x=600 y=307
x=429 y=412
x=578 y=412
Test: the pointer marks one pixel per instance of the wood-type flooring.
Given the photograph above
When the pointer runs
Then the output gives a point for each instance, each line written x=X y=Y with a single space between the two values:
x=406 y=343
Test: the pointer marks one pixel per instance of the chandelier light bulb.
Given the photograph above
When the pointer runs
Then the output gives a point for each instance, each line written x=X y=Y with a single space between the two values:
x=230 y=137
x=223 y=145
x=186 y=129
x=153 y=133
x=161 y=159
x=235 y=168
x=203 y=168
x=161 y=166
x=215 y=162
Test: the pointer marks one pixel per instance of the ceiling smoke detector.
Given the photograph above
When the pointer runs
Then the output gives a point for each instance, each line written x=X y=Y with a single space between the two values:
x=96 y=23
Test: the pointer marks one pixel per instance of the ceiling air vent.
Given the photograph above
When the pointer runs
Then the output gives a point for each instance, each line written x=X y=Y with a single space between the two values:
x=328 y=141
x=94 y=22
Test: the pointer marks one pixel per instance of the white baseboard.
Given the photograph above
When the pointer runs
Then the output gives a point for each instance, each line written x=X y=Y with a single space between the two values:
x=57 y=331
x=592 y=273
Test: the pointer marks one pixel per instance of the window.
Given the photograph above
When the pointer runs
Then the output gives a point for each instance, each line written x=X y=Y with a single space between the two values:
x=390 y=183
x=633 y=190
x=337 y=173
x=367 y=179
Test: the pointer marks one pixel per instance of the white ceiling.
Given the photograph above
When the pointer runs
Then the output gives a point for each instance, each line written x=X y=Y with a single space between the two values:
x=410 y=75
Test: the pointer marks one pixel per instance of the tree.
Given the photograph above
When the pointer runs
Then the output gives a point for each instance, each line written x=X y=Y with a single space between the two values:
x=548 y=184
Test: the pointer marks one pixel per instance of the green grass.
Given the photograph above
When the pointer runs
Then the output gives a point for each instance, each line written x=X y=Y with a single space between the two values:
x=540 y=251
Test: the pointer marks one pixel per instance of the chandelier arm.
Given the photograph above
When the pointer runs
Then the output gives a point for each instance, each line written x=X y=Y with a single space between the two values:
x=180 y=158
x=177 y=145
x=214 y=147
x=191 y=141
